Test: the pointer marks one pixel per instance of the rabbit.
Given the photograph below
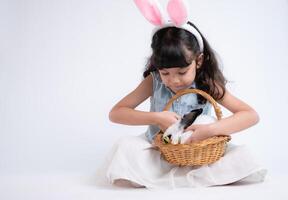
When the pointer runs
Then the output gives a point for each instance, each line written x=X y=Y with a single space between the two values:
x=201 y=119
x=175 y=133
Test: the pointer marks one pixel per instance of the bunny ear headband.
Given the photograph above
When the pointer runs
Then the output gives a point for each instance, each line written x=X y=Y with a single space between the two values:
x=177 y=11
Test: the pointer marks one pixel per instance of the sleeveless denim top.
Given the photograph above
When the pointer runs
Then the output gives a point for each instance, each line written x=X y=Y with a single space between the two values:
x=160 y=97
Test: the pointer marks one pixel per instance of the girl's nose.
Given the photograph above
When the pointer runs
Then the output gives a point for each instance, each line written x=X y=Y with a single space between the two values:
x=175 y=80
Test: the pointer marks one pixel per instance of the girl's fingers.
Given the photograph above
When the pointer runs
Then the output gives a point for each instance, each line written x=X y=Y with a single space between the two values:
x=193 y=127
x=189 y=140
x=190 y=128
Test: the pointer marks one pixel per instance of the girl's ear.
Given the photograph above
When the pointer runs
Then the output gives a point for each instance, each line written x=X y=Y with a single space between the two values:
x=151 y=10
x=199 y=60
x=178 y=12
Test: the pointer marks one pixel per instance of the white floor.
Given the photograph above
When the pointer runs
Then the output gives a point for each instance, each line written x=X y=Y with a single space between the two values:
x=35 y=187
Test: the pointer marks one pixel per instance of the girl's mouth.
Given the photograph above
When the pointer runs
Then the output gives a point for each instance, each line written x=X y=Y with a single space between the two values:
x=176 y=89
x=181 y=88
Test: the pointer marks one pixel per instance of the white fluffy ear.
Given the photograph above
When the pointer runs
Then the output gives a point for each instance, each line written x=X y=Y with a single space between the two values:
x=151 y=10
x=178 y=12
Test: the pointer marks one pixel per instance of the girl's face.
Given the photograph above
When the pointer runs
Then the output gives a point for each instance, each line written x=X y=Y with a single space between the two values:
x=178 y=78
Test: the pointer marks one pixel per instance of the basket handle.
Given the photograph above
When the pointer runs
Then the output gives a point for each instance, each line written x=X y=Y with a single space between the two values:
x=217 y=109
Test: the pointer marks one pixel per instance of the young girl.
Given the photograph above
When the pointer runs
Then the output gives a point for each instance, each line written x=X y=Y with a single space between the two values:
x=181 y=58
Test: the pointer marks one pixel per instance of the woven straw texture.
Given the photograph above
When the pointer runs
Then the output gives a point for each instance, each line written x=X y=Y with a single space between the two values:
x=197 y=153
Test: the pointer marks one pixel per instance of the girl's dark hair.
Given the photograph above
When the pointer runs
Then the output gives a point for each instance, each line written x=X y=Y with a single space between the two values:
x=176 y=47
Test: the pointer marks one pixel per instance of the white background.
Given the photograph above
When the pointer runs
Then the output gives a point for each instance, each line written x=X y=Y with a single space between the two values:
x=64 y=64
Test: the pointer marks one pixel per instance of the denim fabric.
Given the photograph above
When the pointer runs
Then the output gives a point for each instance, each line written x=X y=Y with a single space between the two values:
x=160 y=97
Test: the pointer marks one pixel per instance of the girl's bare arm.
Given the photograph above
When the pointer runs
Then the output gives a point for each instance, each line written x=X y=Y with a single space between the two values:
x=124 y=111
x=243 y=116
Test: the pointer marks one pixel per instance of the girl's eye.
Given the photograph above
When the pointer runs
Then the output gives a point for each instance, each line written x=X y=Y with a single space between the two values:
x=182 y=73
x=164 y=74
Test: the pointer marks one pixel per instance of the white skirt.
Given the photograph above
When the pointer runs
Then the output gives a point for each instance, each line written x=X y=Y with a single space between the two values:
x=134 y=159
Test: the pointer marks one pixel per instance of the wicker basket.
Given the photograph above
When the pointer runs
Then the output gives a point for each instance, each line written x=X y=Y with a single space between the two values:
x=197 y=153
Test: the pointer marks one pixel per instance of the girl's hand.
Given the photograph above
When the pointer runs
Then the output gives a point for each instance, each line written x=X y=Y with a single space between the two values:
x=166 y=119
x=200 y=132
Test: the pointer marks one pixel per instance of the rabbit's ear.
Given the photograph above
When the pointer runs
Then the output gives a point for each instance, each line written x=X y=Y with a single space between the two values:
x=178 y=12
x=151 y=10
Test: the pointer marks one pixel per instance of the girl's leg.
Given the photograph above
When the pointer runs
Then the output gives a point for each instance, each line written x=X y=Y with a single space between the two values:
x=126 y=183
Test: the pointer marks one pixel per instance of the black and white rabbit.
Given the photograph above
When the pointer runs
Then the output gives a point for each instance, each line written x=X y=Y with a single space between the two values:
x=175 y=133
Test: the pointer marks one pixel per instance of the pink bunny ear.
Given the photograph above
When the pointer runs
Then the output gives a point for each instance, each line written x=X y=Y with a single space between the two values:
x=150 y=9
x=177 y=11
